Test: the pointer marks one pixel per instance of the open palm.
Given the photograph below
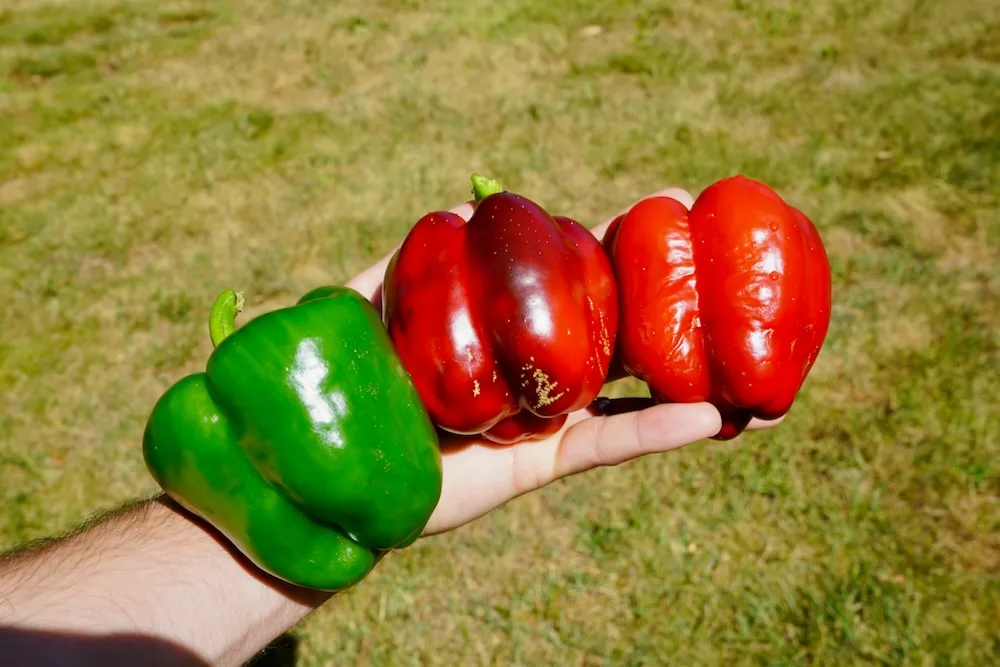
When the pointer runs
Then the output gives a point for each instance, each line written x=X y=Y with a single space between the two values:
x=480 y=475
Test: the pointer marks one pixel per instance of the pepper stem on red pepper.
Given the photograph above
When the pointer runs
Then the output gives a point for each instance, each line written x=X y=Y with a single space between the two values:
x=483 y=187
x=222 y=319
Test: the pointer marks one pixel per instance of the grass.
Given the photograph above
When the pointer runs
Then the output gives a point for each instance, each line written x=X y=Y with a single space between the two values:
x=152 y=154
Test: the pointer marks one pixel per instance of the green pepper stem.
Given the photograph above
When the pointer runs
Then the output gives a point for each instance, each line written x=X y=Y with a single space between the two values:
x=483 y=187
x=222 y=319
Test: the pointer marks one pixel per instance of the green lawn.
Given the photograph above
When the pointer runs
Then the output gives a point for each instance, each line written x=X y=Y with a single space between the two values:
x=155 y=153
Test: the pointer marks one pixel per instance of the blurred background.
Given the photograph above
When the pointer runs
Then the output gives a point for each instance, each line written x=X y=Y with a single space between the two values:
x=155 y=153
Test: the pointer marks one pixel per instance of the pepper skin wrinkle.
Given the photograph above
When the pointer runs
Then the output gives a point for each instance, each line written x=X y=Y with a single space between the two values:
x=507 y=322
x=728 y=303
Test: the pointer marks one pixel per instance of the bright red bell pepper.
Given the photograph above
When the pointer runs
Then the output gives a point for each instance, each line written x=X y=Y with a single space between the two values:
x=506 y=323
x=728 y=303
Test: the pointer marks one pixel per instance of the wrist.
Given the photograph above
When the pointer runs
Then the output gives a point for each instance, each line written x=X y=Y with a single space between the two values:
x=151 y=572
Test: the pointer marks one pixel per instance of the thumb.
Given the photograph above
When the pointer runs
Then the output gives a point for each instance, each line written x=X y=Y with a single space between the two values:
x=612 y=439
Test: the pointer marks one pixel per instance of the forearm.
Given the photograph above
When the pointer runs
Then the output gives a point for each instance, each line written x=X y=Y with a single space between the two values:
x=151 y=573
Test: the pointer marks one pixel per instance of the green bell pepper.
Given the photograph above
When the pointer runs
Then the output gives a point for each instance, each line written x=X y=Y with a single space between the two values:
x=304 y=443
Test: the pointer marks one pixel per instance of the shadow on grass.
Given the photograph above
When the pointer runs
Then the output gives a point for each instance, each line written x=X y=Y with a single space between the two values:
x=282 y=652
x=43 y=648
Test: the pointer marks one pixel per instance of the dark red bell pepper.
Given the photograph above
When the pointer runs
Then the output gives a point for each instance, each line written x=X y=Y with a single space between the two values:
x=728 y=303
x=506 y=323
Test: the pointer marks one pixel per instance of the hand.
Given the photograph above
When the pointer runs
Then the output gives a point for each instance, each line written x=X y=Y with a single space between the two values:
x=480 y=475
x=150 y=579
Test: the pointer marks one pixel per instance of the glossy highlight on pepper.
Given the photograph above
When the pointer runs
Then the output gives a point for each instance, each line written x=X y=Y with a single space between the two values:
x=304 y=442
x=506 y=323
x=728 y=303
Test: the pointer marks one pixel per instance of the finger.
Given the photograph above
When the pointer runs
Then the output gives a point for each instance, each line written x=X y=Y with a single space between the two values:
x=464 y=211
x=759 y=424
x=607 y=406
x=369 y=281
x=681 y=195
x=614 y=439
x=480 y=476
